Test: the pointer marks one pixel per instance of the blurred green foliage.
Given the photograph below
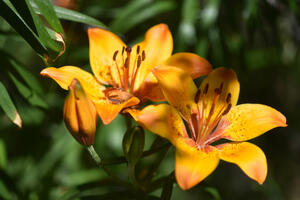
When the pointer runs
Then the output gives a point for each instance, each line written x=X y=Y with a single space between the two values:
x=258 y=39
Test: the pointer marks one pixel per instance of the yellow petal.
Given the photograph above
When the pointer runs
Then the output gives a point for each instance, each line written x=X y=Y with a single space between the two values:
x=249 y=157
x=158 y=47
x=80 y=115
x=103 y=45
x=108 y=110
x=150 y=89
x=191 y=63
x=248 y=121
x=65 y=75
x=160 y=119
x=178 y=88
x=192 y=165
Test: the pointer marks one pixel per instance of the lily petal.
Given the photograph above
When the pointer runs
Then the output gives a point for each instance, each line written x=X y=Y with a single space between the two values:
x=178 y=88
x=158 y=47
x=191 y=63
x=248 y=121
x=103 y=45
x=150 y=90
x=162 y=120
x=249 y=157
x=108 y=111
x=192 y=165
x=65 y=75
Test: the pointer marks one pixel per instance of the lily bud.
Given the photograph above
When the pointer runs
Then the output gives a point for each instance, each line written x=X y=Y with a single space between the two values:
x=133 y=144
x=80 y=115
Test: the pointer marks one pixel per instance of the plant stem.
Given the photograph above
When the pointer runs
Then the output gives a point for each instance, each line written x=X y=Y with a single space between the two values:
x=98 y=162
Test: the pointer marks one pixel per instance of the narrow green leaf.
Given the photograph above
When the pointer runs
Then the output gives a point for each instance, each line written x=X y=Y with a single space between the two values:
x=4 y=193
x=9 y=13
x=42 y=32
x=3 y=157
x=166 y=193
x=48 y=12
x=126 y=12
x=8 y=106
x=72 y=15
x=32 y=97
x=141 y=15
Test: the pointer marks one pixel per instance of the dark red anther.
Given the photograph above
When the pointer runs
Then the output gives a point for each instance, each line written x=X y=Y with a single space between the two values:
x=139 y=61
x=221 y=86
x=228 y=98
x=218 y=91
x=138 y=50
x=126 y=65
x=227 y=109
x=123 y=49
x=143 y=55
x=128 y=49
x=197 y=96
x=115 y=55
x=205 y=89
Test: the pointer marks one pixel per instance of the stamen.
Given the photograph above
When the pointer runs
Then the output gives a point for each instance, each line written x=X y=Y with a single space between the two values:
x=218 y=91
x=197 y=96
x=126 y=65
x=115 y=55
x=228 y=98
x=138 y=50
x=128 y=49
x=205 y=89
x=194 y=131
x=227 y=109
x=221 y=86
x=143 y=55
x=123 y=49
x=139 y=61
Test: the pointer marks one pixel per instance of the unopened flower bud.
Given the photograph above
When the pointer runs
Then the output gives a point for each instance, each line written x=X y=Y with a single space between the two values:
x=80 y=115
x=133 y=144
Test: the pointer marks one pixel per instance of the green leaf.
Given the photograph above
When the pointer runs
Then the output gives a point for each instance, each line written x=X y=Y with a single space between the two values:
x=47 y=11
x=8 y=106
x=213 y=192
x=3 y=157
x=168 y=187
x=9 y=13
x=4 y=193
x=149 y=11
x=126 y=12
x=42 y=31
x=33 y=98
x=74 y=16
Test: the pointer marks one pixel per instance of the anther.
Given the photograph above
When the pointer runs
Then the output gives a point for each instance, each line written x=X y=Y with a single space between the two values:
x=228 y=98
x=205 y=88
x=138 y=49
x=126 y=65
x=143 y=55
x=128 y=49
x=221 y=86
x=139 y=61
x=115 y=55
x=123 y=49
x=218 y=91
x=197 y=96
x=227 y=109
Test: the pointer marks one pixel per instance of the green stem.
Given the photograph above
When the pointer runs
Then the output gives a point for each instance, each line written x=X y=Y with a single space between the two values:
x=98 y=162
x=131 y=172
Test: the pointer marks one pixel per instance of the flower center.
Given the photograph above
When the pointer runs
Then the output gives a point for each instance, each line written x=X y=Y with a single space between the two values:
x=206 y=125
x=127 y=79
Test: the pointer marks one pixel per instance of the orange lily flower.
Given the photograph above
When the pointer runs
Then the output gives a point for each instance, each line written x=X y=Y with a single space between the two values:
x=126 y=70
x=211 y=114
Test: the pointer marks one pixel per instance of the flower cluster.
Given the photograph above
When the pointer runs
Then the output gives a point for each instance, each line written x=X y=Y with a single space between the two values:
x=126 y=77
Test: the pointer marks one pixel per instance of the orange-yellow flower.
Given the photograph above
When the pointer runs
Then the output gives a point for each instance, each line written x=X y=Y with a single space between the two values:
x=80 y=115
x=211 y=114
x=126 y=70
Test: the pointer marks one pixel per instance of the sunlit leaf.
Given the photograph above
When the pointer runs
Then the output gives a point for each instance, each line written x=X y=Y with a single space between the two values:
x=8 y=106
x=47 y=11
x=4 y=193
x=3 y=158
x=9 y=13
